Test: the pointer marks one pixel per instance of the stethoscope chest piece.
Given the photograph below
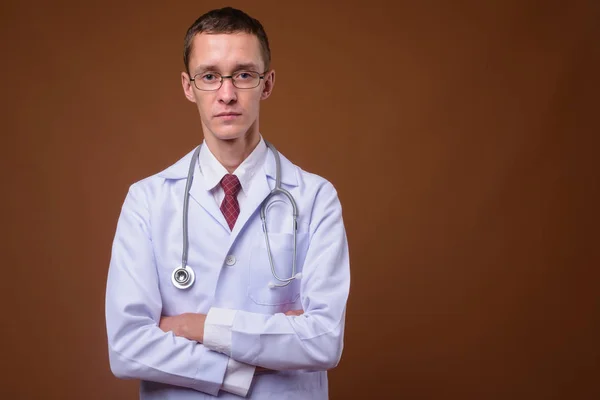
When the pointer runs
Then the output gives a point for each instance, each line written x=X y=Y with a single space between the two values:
x=183 y=277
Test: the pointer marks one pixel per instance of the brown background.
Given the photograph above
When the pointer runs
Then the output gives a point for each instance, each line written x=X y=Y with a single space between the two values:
x=458 y=134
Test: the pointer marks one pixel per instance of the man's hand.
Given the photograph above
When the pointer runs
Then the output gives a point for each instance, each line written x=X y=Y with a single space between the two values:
x=191 y=325
x=188 y=325
x=295 y=313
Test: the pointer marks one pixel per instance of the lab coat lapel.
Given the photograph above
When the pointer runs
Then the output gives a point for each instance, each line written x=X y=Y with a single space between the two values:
x=261 y=187
x=204 y=198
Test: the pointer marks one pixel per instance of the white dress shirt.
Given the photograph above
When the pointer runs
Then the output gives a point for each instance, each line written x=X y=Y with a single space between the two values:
x=238 y=376
x=212 y=171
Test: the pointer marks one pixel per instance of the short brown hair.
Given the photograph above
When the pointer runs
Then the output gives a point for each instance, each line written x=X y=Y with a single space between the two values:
x=226 y=20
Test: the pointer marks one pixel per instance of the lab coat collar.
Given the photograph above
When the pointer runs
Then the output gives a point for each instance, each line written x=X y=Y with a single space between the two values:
x=288 y=170
x=261 y=187
x=199 y=190
x=259 y=190
x=179 y=170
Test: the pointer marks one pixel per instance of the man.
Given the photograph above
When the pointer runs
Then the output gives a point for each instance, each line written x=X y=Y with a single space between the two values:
x=262 y=318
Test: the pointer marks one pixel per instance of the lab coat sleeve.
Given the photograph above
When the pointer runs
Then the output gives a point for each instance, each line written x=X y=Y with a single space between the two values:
x=314 y=340
x=138 y=348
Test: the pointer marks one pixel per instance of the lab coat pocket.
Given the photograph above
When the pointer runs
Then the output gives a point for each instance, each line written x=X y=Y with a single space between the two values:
x=261 y=273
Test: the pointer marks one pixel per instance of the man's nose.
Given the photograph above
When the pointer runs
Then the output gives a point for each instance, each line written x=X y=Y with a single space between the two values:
x=227 y=92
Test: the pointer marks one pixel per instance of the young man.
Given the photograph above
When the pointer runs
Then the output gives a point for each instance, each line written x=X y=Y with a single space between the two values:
x=257 y=310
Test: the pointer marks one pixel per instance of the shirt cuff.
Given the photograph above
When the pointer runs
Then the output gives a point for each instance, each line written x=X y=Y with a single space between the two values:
x=238 y=377
x=217 y=330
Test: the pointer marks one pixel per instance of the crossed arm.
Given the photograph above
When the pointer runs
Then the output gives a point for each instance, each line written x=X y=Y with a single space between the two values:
x=140 y=349
x=191 y=327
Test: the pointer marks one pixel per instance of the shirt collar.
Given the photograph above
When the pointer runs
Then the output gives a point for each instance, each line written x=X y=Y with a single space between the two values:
x=213 y=171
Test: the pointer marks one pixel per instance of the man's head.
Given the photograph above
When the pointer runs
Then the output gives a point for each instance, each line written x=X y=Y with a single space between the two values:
x=223 y=43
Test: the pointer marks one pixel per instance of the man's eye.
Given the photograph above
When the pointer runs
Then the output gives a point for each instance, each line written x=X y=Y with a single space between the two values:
x=243 y=75
x=208 y=77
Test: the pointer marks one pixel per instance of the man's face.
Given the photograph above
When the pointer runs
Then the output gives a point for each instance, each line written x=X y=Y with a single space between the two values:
x=229 y=112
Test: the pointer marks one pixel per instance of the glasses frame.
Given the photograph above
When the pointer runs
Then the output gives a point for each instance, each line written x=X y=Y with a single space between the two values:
x=223 y=77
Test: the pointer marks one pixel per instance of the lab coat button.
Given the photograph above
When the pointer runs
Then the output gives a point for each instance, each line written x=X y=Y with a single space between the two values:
x=230 y=260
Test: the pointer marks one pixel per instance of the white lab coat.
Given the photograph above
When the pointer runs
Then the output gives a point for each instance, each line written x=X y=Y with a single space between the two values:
x=148 y=246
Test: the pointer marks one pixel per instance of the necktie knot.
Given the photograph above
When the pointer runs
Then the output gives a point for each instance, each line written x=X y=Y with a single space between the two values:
x=231 y=185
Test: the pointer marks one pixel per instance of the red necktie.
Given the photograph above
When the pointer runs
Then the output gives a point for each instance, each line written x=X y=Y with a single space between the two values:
x=230 y=206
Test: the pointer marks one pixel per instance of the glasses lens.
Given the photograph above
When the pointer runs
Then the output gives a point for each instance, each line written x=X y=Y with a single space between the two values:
x=207 y=81
x=246 y=79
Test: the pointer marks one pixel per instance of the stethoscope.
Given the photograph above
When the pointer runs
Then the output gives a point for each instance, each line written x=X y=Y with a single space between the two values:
x=183 y=276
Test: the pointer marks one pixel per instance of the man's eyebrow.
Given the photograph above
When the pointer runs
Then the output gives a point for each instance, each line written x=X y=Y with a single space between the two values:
x=202 y=68
x=238 y=67
x=247 y=67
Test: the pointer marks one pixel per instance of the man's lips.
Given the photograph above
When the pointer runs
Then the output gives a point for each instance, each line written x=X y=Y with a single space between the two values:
x=228 y=115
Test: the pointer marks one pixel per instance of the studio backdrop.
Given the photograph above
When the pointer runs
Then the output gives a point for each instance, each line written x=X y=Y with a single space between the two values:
x=460 y=138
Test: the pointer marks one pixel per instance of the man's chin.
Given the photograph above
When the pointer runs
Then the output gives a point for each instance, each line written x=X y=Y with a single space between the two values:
x=230 y=134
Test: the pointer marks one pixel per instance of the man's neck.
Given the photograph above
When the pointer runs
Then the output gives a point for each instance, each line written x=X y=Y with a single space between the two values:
x=231 y=153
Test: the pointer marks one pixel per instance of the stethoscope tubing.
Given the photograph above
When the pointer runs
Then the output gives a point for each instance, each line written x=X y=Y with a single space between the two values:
x=183 y=276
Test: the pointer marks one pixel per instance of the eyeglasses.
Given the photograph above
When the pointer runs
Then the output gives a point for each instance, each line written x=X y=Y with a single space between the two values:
x=214 y=80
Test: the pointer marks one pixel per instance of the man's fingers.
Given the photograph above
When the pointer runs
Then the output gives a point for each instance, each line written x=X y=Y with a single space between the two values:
x=294 y=313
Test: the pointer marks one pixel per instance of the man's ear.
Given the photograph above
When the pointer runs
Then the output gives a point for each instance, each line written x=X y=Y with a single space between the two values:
x=188 y=87
x=269 y=83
